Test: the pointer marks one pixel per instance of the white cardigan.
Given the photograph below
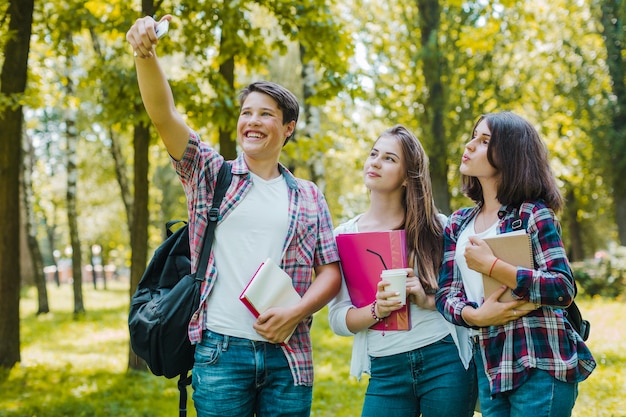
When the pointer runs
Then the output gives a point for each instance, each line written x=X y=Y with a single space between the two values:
x=371 y=342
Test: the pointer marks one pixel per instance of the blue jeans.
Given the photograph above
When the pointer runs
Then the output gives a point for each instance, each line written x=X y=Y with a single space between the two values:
x=430 y=381
x=234 y=377
x=541 y=395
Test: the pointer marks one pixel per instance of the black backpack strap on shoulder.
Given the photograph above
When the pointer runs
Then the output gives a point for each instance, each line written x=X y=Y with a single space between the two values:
x=224 y=178
x=223 y=181
x=571 y=312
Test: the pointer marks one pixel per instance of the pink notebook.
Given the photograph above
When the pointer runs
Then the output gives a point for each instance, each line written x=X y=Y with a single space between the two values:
x=363 y=257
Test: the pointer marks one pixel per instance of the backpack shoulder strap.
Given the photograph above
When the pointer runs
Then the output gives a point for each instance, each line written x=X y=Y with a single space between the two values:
x=517 y=224
x=224 y=178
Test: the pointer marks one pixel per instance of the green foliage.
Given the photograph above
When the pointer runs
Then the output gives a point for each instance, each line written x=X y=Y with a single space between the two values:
x=604 y=275
x=78 y=367
x=545 y=60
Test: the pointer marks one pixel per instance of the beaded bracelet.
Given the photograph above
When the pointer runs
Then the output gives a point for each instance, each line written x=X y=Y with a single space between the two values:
x=373 y=311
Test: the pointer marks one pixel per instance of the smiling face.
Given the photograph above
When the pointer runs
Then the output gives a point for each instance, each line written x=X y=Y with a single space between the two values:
x=260 y=129
x=384 y=168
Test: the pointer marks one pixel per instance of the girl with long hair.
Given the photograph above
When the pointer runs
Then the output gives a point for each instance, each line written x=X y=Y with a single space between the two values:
x=426 y=370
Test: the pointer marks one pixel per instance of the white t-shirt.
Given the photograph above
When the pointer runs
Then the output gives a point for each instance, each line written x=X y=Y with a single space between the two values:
x=472 y=280
x=255 y=230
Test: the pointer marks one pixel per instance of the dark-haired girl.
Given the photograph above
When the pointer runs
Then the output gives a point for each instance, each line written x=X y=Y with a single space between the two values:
x=528 y=363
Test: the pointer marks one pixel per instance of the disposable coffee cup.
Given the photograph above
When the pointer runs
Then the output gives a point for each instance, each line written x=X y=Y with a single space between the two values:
x=397 y=283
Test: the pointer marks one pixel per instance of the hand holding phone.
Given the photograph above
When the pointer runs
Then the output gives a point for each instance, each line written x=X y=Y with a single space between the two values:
x=162 y=28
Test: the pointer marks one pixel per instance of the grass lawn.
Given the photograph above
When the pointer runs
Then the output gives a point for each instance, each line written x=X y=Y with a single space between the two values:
x=79 y=367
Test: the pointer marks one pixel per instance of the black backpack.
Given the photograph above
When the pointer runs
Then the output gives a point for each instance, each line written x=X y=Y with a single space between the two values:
x=575 y=317
x=168 y=294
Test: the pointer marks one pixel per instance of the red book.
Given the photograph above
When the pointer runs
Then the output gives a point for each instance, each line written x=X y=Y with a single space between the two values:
x=270 y=286
x=363 y=257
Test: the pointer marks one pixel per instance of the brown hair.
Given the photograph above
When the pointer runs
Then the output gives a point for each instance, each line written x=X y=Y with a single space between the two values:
x=519 y=155
x=423 y=228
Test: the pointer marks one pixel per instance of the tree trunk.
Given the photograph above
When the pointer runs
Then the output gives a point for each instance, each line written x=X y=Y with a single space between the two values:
x=311 y=115
x=122 y=177
x=576 y=251
x=12 y=85
x=619 y=200
x=72 y=217
x=434 y=140
x=72 y=181
x=612 y=33
x=31 y=230
x=51 y=235
x=228 y=146
x=140 y=216
x=27 y=268
x=140 y=213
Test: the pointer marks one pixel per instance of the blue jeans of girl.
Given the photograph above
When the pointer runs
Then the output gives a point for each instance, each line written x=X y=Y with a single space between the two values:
x=430 y=381
x=541 y=395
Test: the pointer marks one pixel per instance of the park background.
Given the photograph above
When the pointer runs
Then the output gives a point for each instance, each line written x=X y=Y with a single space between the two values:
x=86 y=187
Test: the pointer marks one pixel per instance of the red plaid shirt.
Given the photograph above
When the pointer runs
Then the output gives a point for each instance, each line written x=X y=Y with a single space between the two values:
x=542 y=339
x=309 y=242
